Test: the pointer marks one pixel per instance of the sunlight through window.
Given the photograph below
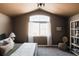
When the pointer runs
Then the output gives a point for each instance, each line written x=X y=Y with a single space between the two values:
x=39 y=25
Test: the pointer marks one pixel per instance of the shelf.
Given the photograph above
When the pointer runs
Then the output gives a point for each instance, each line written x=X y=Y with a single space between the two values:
x=76 y=45
x=74 y=21
x=74 y=29
x=75 y=37
x=76 y=53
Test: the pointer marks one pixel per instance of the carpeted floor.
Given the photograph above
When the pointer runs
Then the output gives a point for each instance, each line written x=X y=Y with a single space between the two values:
x=45 y=51
x=51 y=51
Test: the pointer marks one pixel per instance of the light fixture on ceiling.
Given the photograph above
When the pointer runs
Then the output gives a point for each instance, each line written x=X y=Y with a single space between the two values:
x=40 y=4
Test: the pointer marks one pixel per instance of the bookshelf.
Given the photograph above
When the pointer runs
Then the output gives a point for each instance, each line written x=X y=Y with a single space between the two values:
x=74 y=37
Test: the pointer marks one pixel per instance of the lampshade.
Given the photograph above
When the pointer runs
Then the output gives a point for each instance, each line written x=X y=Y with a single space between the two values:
x=12 y=35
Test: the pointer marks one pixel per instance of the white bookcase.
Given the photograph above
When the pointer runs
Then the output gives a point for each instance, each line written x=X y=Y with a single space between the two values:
x=74 y=37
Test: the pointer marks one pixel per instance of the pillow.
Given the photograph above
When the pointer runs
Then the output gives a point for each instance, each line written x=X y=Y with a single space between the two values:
x=2 y=36
x=3 y=42
x=7 y=45
x=1 y=51
x=12 y=35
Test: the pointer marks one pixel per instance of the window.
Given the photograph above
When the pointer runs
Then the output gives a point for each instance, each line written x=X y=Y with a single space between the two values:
x=39 y=25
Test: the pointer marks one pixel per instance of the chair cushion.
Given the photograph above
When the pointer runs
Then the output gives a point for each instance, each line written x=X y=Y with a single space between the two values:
x=62 y=46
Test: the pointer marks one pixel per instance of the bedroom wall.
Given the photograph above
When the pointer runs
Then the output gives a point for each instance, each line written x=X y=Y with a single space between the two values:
x=21 y=26
x=74 y=17
x=5 y=24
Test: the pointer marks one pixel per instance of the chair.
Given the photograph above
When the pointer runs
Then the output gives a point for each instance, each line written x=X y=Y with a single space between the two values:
x=63 y=45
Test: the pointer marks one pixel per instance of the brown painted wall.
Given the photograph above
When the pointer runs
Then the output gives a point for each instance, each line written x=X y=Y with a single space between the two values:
x=5 y=24
x=21 y=26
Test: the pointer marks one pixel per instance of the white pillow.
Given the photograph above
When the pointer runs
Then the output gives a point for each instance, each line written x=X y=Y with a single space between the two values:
x=1 y=42
x=8 y=46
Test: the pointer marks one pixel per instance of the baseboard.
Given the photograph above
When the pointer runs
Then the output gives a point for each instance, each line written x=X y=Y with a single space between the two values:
x=47 y=45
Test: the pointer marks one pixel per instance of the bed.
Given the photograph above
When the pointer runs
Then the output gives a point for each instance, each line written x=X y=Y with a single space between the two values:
x=25 y=49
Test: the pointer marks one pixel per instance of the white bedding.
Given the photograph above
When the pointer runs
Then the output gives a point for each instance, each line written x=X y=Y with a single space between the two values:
x=26 y=49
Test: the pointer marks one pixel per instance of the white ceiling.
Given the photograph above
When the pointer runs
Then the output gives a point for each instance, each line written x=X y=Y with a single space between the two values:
x=13 y=9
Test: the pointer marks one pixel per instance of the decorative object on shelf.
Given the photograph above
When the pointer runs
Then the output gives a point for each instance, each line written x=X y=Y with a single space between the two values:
x=77 y=33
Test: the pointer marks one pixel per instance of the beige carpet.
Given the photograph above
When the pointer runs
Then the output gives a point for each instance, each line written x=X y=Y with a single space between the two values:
x=52 y=51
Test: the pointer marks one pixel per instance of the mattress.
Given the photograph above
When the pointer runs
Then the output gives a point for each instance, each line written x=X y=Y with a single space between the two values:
x=16 y=46
x=26 y=49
